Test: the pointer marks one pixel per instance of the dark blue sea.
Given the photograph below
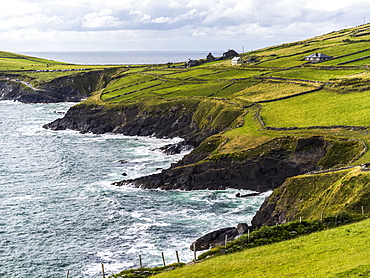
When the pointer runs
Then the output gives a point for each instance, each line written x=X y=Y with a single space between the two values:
x=122 y=57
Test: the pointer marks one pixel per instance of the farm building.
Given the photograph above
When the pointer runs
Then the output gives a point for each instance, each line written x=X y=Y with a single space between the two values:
x=251 y=60
x=192 y=63
x=317 y=57
x=229 y=54
x=236 y=61
x=210 y=57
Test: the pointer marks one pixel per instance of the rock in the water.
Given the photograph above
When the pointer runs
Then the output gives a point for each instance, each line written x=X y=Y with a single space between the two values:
x=247 y=195
x=214 y=238
x=177 y=148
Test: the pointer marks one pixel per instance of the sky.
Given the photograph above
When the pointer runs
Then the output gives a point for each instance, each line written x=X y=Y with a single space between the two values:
x=170 y=25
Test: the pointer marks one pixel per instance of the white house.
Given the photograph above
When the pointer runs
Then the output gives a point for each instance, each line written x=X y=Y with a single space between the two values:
x=236 y=61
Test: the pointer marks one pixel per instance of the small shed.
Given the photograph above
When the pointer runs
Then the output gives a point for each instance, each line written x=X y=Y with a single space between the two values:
x=317 y=57
x=236 y=61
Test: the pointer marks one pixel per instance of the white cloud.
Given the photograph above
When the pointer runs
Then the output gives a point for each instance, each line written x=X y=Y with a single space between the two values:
x=101 y=19
x=113 y=23
x=16 y=8
x=162 y=20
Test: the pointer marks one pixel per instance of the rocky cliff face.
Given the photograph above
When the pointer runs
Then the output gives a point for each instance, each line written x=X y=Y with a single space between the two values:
x=70 y=88
x=261 y=169
x=169 y=121
x=265 y=168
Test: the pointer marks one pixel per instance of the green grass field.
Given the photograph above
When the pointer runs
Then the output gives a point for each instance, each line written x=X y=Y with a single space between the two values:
x=322 y=108
x=339 y=252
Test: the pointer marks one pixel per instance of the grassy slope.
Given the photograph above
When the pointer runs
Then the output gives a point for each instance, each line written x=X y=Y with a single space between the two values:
x=344 y=88
x=310 y=196
x=340 y=252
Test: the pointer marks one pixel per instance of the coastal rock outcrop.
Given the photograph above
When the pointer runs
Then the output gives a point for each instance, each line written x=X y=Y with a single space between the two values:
x=261 y=169
x=214 y=238
x=177 y=118
x=219 y=237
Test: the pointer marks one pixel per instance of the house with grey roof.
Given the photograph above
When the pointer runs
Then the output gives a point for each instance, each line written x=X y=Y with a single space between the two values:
x=317 y=57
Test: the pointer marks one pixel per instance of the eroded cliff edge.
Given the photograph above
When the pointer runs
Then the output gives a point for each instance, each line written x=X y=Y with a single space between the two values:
x=261 y=169
x=72 y=88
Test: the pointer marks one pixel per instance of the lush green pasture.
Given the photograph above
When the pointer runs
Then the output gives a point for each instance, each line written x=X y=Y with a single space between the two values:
x=133 y=89
x=192 y=73
x=340 y=252
x=341 y=48
x=346 y=59
x=322 y=108
x=170 y=90
x=314 y=74
x=272 y=90
x=232 y=73
x=127 y=81
x=363 y=62
x=231 y=87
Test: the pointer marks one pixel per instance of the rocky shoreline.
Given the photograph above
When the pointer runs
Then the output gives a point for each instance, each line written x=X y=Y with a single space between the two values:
x=265 y=169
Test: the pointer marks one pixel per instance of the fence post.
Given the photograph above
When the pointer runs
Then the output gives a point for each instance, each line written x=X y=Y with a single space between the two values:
x=67 y=275
x=362 y=210
x=195 y=253
x=102 y=269
x=178 y=258
x=225 y=240
x=249 y=235
x=141 y=263
x=300 y=219
x=164 y=262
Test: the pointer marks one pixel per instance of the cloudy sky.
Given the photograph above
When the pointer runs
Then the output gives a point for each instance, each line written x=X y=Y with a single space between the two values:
x=170 y=25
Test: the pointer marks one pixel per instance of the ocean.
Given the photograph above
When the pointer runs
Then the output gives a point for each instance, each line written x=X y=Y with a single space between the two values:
x=60 y=212
x=122 y=57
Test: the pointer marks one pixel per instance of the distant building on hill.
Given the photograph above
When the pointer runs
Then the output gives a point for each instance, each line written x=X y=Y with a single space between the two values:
x=210 y=57
x=251 y=60
x=230 y=54
x=236 y=61
x=192 y=63
x=317 y=57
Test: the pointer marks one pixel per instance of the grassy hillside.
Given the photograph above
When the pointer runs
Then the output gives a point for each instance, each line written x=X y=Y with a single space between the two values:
x=279 y=95
x=340 y=252
x=316 y=195
x=323 y=94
